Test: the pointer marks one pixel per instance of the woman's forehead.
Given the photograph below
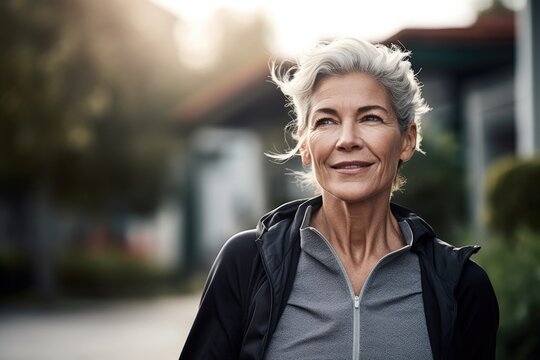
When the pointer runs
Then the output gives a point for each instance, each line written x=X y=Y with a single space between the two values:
x=353 y=89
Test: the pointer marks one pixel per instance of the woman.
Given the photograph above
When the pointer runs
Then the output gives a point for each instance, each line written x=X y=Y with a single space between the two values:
x=347 y=274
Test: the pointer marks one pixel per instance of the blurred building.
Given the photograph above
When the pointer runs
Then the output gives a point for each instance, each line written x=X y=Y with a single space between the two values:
x=231 y=122
x=483 y=84
x=468 y=76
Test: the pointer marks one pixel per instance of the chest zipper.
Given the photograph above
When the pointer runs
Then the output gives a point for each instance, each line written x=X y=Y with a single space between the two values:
x=356 y=328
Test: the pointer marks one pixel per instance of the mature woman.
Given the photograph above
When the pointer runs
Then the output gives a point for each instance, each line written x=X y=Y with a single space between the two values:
x=347 y=274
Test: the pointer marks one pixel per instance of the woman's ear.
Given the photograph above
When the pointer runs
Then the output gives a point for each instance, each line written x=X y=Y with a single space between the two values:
x=304 y=153
x=408 y=142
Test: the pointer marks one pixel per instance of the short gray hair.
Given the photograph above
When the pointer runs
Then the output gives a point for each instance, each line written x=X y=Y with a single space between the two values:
x=388 y=65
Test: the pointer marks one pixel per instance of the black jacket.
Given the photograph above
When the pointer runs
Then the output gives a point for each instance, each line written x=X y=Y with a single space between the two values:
x=251 y=279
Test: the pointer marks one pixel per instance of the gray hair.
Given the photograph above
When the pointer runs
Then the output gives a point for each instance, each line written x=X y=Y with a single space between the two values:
x=388 y=65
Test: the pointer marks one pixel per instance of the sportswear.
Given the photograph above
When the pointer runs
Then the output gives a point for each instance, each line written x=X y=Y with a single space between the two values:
x=251 y=279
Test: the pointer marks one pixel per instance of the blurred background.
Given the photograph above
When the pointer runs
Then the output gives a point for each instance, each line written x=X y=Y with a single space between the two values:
x=132 y=141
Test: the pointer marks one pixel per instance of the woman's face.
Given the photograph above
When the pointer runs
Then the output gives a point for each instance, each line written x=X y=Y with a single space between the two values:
x=353 y=140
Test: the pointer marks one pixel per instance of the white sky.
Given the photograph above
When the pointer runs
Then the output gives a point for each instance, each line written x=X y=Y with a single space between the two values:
x=297 y=24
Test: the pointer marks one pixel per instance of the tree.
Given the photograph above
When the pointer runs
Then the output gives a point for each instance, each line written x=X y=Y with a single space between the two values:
x=86 y=92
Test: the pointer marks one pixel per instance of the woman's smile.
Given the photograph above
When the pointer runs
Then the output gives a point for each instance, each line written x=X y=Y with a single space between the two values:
x=351 y=167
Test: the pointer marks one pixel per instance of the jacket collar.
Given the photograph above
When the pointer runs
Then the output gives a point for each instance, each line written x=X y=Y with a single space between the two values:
x=420 y=228
x=292 y=214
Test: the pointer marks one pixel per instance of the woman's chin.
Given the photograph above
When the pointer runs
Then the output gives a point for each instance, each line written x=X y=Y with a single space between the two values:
x=355 y=195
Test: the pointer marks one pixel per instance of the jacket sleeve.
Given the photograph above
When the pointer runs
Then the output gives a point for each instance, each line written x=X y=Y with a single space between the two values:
x=477 y=315
x=217 y=330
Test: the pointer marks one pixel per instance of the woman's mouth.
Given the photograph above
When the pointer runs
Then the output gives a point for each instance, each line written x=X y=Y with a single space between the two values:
x=351 y=167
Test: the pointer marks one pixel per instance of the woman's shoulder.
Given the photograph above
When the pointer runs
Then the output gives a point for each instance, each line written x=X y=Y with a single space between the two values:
x=235 y=264
x=238 y=254
x=240 y=244
x=474 y=279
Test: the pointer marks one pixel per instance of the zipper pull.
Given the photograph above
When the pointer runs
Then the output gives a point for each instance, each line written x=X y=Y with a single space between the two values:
x=356 y=302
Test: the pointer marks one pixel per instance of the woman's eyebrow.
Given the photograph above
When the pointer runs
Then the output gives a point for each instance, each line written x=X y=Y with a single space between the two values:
x=361 y=109
x=367 y=108
x=328 y=111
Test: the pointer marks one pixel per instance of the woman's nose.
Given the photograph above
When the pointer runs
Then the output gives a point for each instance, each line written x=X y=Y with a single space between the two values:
x=349 y=138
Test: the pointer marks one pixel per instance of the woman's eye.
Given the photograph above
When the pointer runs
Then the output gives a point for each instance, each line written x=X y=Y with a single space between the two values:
x=323 y=121
x=370 y=118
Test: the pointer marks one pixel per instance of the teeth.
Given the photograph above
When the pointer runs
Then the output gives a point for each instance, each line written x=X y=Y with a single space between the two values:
x=351 y=166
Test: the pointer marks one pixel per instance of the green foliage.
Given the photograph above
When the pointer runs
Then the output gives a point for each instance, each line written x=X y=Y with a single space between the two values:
x=86 y=99
x=89 y=92
x=513 y=196
x=435 y=185
x=108 y=273
x=514 y=270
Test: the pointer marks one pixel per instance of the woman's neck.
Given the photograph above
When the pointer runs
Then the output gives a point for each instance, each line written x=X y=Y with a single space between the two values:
x=359 y=230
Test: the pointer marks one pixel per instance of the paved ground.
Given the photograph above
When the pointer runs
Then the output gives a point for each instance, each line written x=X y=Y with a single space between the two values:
x=154 y=329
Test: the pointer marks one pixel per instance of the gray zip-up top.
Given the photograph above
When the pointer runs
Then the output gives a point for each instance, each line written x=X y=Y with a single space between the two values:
x=325 y=319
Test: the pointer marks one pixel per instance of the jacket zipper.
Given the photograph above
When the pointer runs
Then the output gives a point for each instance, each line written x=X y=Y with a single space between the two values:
x=356 y=328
